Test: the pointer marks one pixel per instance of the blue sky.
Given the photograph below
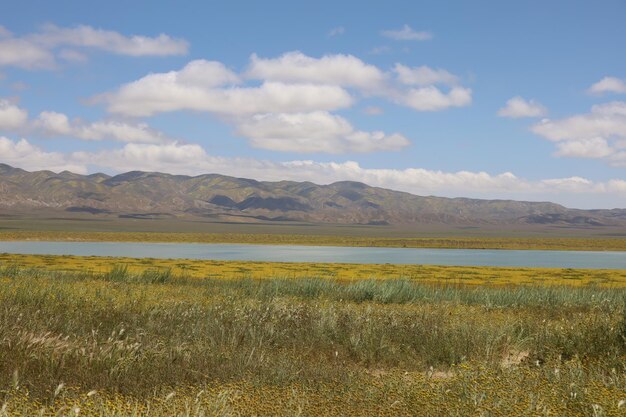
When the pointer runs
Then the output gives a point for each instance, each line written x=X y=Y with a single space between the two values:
x=520 y=100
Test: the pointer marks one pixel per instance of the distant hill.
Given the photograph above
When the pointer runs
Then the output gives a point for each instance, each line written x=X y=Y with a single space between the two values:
x=140 y=195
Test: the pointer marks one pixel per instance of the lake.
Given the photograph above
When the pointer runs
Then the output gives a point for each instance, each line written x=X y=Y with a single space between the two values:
x=283 y=253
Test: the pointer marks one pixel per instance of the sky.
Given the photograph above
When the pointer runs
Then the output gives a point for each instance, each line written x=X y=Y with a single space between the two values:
x=482 y=99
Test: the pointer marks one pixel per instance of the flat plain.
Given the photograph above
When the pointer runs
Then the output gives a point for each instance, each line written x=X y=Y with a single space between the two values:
x=123 y=336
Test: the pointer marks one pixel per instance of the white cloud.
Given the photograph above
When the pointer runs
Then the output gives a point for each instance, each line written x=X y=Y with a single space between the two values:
x=208 y=86
x=150 y=96
x=598 y=134
x=608 y=85
x=315 y=132
x=206 y=74
x=37 y=50
x=337 y=31
x=176 y=158
x=518 y=107
x=291 y=83
x=11 y=116
x=584 y=148
x=53 y=123
x=24 y=155
x=24 y=54
x=340 y=70
x=296 y=91
x=58 y=124
x=424 y=75
x=89 y=37
x=406 y=33
x=433 y=99
x=606 y=120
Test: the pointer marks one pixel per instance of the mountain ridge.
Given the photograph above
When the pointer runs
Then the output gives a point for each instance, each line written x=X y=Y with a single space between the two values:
x=153 y=195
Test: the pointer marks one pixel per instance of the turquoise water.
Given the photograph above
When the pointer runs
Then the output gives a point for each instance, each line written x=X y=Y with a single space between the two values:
x=280 y=253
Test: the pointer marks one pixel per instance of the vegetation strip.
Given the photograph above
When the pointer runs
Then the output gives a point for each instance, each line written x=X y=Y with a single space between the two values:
x=531 y=243
x=206 y=269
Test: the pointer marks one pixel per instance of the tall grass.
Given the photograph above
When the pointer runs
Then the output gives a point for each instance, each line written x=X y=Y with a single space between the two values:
x=136 y=334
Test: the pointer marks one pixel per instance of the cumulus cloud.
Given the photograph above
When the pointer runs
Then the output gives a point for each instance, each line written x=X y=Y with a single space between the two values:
x=58 y=124
x=25 y=54
x=315 y=132
x=295 y=90
x=11 y=116
x=518 y=107
x=24 y=155
x=209 y=86
x=341 y=70
x=584 y=148
x=50 y=123
x=149 y=96
x=290 y=83
x=605 y=120
x=598 y=134
x=424 y=75
x=163 y=158
x=37 y=50
x=431 y=98
x=608 y=85
x=406 y=33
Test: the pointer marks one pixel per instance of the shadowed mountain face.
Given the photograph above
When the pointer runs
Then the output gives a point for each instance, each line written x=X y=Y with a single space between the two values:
x=153 y=195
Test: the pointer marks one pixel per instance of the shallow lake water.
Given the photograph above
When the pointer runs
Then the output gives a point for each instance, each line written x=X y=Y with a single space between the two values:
x=283 y=253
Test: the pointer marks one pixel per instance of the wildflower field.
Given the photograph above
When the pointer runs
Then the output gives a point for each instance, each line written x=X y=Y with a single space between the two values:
x=118 y=337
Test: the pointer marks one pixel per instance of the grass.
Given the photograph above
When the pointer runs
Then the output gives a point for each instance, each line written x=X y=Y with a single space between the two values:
x=451 y=242
x=159 y=340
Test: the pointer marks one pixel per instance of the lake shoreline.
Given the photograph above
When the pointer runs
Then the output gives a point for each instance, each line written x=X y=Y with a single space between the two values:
x=603 y=260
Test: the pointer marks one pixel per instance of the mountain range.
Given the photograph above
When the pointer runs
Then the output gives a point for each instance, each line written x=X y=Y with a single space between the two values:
x=153 y=195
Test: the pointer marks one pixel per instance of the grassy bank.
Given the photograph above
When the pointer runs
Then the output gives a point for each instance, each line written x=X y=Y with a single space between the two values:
x=526 y=243
x=153 y=342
